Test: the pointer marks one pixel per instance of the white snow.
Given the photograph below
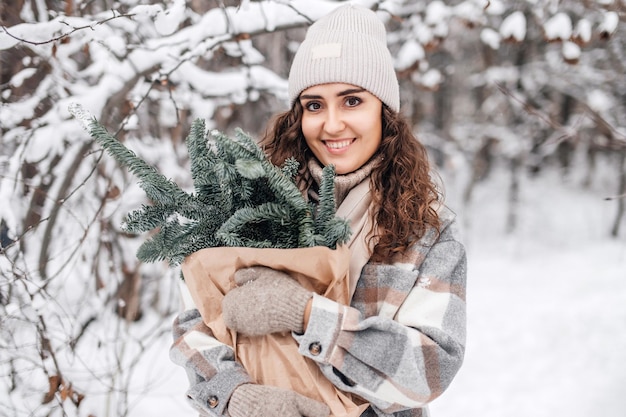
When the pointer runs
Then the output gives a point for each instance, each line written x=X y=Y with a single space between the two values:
x=558 y=27
x=436 y=12
x=571 y=51
x=7 y=41
x=471 y=11
x=436 y=17
x=547 y=318
x=244 y=48
x=599 y=101
x=514 y=26
x=495 y=7
x=18 y=79
x=431 y=78
x=43 y=32
x=411 y=52
x=167 y=21
x=609 y=23
x=490 y=37
x=422 y=32
x=583 y=30
x=116 y=44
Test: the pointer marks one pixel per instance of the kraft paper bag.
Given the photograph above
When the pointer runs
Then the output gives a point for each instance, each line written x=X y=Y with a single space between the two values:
x=274 y=359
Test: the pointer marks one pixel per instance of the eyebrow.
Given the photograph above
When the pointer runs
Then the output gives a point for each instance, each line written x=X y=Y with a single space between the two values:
x=339 y=94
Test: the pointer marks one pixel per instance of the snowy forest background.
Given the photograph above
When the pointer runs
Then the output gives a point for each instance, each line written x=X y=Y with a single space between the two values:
x=521 y=103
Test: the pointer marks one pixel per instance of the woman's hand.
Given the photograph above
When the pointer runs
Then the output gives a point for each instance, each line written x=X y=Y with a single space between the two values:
x=266 y=301
x=251 y=400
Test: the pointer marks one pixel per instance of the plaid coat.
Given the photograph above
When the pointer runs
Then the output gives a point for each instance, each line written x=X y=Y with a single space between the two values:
x=398 y=345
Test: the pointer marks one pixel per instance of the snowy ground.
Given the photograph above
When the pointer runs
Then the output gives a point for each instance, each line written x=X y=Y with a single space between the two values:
x=546 y=308
x=546 y=312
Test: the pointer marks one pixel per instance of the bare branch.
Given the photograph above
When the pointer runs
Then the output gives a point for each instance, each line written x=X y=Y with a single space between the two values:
x=615 y=197
x=65 y=35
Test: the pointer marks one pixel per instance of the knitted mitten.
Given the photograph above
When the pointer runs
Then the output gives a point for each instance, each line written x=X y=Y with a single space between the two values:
x=251 y=400
x=267 y=301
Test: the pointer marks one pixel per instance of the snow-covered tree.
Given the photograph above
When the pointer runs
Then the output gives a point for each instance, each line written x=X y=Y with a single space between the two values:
x=530 y=84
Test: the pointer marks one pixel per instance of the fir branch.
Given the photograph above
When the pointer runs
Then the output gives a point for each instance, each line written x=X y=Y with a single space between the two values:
x=284 y=188
x=194 y=209
x=326 y=207
x=245 y=142
x=146 y=218
x=250 y=169
x=240 y=198
x=332 y=231
x=307 y=237
x=336 y=232
x=200 y=157
x=290 y=168
x=152 y=250
x=247 y=217
x=235 y=149
x=155 y=184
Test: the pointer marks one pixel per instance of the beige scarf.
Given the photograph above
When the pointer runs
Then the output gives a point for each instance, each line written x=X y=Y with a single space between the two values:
x=352 y=194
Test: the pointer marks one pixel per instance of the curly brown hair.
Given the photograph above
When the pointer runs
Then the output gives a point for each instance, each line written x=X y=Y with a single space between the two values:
x=405 y=196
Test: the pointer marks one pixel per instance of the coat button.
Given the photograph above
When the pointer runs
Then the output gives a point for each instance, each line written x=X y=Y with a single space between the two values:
x=213 y=401
x=315 y=348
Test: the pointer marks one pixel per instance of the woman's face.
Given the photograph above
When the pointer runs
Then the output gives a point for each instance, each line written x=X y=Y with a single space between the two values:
x=342 y=124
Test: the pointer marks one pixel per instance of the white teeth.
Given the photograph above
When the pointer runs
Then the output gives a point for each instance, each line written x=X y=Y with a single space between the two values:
x=339 y=144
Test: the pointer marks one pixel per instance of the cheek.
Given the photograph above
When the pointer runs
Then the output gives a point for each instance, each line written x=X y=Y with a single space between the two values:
x=309 y=130
x=375 y=129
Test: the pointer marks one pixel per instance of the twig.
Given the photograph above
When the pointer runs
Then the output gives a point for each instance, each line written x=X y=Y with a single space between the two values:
x=529 y=108
x=298 y=12
x=65 y=35
x=615 y=197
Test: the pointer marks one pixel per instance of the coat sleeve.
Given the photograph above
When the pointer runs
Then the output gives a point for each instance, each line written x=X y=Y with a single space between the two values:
x=404 y=359
x=211 y=367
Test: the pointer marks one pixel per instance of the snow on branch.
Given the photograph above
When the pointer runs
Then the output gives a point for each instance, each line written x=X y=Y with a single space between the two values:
x=513 y=27
x=46 y=31
x=558 y=27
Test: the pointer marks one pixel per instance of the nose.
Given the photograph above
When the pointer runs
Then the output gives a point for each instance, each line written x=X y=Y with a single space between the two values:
x=334 y=123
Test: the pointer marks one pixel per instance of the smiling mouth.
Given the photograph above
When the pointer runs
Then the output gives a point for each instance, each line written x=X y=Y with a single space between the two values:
x=338 y=144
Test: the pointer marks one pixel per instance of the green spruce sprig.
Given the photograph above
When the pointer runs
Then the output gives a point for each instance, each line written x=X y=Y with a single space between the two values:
x=240 y=198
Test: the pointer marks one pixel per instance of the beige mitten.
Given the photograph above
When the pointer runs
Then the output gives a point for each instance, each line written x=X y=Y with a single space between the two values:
x=251 y=400
x=266 y=301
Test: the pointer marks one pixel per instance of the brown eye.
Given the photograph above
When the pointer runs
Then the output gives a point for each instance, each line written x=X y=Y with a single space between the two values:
x=313 y=106
x=353 y=101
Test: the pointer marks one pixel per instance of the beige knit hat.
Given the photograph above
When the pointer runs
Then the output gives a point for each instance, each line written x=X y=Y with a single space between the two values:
x=349 y=45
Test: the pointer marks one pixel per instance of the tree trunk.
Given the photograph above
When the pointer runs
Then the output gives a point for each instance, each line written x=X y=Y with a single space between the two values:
x=565 y=149
x=128 y=294
x=511 y=221
x=621 y=194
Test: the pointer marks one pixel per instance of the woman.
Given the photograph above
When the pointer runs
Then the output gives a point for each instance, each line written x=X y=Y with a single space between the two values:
x=400 y=342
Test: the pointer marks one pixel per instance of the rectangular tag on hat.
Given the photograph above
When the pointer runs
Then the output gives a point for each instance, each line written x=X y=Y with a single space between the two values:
x=326 y=50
